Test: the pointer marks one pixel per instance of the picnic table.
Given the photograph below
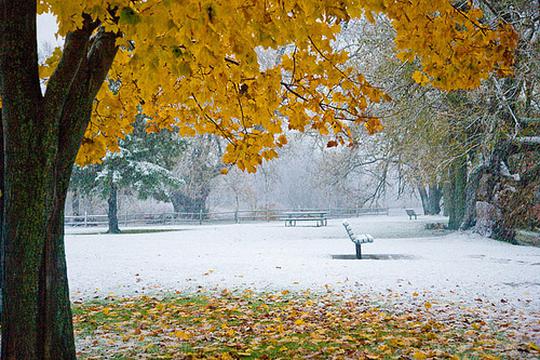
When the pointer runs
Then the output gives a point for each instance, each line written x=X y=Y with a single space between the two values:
x=291 y=217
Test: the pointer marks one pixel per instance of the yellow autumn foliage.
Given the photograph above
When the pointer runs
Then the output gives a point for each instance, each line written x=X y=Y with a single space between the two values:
x=192 y=66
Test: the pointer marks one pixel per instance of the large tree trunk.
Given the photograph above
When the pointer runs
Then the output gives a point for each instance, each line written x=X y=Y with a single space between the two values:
x=113 y=209
x=36 y=309
x=1 y=206
x=434 y=199
x=469 y=217
x=456 y=192
x=448 y=200
x=41 y=137
x=424 y=198
x=431 y=198
x=37 y=314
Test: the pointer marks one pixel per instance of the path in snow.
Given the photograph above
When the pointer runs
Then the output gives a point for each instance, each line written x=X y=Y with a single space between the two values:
x=269 y=256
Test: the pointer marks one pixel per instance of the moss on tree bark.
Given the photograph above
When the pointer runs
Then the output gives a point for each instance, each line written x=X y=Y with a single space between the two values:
x=42 y=134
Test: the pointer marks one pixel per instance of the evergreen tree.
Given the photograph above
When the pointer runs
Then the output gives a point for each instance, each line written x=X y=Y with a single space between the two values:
x=143 y=164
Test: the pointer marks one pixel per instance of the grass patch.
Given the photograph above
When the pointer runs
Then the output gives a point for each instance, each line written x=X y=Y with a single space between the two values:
x=283 y=325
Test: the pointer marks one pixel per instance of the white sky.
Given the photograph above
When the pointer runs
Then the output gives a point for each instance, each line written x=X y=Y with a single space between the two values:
x=46 y=28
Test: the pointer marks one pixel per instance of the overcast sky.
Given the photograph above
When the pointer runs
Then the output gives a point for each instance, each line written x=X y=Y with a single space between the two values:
x=46 y=28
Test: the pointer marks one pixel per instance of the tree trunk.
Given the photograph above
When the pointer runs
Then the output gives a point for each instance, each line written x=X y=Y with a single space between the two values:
x=41 y=137
x=36 y=322
x=448 y=201
x=469 y=217
x=186 y=204
x=431 y=198
x=434 y=199
x=37 y=315
x=113 y=209
x=1 y=207
x=76 y=203
x=458 y=182
x=424 y=198
x=445 y=195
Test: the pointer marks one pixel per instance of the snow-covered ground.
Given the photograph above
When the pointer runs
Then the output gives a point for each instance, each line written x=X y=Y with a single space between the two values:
x=459 y=267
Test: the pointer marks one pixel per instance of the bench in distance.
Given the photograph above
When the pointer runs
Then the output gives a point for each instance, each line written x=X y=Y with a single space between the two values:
x=411 y=213
x=291 y=217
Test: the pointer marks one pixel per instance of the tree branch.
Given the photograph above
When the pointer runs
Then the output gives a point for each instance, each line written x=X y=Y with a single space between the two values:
x=60 y=82
x=528 y=140
x=85 y=85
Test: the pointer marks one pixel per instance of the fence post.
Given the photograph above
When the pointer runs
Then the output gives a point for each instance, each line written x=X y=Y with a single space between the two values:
x=85 y=219
x=200 y=217
x=236 y=220
x=267 y=215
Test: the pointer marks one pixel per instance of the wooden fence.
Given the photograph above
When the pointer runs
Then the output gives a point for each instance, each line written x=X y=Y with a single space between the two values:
x=172 y=218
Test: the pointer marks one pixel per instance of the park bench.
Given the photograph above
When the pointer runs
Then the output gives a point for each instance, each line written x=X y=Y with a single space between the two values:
x=357 y=240
x=292 y=217
x=411 y=213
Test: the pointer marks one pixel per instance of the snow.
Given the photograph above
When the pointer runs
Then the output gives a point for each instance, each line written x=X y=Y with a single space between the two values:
x=460 y=267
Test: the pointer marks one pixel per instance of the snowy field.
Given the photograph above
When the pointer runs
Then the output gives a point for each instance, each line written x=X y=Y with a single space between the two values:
x=269 y=256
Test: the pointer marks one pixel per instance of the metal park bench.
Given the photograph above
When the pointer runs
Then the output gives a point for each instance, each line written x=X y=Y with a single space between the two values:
x=291 y=217
x=411 y=213
x=357 y=240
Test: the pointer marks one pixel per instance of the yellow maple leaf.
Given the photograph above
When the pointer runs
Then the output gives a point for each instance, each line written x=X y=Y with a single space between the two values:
x=182 y=335
x=420 y=78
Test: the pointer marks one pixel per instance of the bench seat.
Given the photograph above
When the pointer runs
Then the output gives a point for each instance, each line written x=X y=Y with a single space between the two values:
x=358 y=240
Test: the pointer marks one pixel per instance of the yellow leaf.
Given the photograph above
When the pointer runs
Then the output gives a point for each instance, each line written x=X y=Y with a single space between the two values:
x=420 y=78
x=182 y=335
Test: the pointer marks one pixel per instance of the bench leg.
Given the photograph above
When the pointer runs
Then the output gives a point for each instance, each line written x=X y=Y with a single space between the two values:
x=358 y=251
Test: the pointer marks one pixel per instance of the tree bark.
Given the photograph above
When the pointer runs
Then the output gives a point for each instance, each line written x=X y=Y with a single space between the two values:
x=76 y=202
x=41 y=136
x=434 y=199
x=448 y=201
x=431 y=198
x=1 y=205
x=424 y=198
x=113 y=209
x=458 y=182
x=469 y=217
